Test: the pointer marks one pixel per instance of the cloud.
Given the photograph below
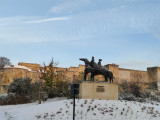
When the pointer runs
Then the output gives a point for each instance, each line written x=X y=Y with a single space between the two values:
x=48 y=20
x=21 y=20
x=70 y=6
x=14 y=20
x=122 y=19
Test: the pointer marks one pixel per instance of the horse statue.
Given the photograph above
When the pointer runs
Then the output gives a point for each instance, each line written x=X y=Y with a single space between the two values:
x=96 y=69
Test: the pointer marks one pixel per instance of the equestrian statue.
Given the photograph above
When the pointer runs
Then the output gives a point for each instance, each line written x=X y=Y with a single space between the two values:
x=96 y=69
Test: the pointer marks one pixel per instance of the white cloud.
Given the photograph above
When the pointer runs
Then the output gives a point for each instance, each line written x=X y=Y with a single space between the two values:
x=70 y=6
x=48 y=20
x=15 y=20
x=21 y=20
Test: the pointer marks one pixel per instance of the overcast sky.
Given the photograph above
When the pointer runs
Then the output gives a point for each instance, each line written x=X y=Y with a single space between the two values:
x=124 y=32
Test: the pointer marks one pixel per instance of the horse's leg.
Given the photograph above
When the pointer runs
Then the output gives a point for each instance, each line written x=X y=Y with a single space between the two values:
x=92 y=77
x=112 y=79
x=106 y=78
x=85 y=74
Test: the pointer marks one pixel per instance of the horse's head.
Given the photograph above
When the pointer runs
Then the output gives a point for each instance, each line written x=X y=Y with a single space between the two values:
x=85 y=60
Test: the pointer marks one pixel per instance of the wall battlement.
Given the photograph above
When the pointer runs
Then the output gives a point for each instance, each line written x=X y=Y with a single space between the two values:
x=143 y=77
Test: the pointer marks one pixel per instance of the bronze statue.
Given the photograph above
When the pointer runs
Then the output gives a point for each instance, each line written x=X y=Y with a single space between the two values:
x=99 y=62
x=96 y=69
x=92 y=63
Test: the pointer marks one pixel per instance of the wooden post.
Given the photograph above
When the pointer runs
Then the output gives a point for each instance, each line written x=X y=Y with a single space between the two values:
x=40 y=92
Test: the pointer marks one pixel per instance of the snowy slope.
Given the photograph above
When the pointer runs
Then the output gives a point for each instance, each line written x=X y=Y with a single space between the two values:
x=85 y=110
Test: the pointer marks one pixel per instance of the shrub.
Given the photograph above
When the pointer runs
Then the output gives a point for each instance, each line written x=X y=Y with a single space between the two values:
x=135 y=89
x=20 y=86
x=20 y=91
x=14 y=99
x=132 y=92
x=61 y=89
x=131 y=87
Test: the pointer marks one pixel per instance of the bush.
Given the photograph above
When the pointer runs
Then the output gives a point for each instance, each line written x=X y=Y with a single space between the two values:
x=61 y=89
x=132 y=92
x=131 y=87
x=20 y=86
x=21 y=91
x=12 y=99
x=135 y=89
x=130 y=97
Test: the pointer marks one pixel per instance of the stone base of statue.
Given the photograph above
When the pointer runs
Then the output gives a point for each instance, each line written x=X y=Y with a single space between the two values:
x=98 y=90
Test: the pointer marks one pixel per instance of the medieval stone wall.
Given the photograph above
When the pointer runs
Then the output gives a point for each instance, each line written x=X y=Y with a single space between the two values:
x=152 y=73
x=158 y=78
x=10 y=74
x=133 y=75
x=143 y=77
x=60 y=69
x=124 y=75
x=139 y=76
x=34 y=67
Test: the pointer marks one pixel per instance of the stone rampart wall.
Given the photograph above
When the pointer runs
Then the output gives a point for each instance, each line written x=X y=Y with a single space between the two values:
x=133 y=75
x=10 y=74
x=32 y=66
x=149 y=76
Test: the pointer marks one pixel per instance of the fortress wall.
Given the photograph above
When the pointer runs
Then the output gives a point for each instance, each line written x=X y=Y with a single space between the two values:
x=143 y=77
x=124 y=75
x=138 y=76
x=81 y=68
x=34 y=67
x=10 y=74
x=78 y=70
x=133 y=75
x=158 y=78
x=152 y=74
x=1 y=73
x=60 y=69
x=3 y=89
x=75 y=69
x=69 y=75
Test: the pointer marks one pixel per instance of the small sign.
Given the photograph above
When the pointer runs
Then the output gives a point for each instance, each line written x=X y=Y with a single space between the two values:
x=75 y=89
x=100 y=89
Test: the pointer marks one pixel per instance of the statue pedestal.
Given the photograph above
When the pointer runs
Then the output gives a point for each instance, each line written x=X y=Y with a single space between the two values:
x=98 y=90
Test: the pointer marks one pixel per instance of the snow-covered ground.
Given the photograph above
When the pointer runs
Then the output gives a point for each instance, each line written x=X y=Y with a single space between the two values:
x=3 y=95
x=85 y=110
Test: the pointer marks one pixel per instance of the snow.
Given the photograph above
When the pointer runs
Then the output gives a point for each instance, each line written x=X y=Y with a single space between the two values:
x=86 y=109
x=18 y=66
x=3 y=94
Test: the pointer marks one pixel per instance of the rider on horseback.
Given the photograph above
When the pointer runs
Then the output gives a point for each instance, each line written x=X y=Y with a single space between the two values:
x=99 y=62
x=92 y=62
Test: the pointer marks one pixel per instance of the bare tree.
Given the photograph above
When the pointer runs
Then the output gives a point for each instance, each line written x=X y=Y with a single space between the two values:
x=4 y=61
